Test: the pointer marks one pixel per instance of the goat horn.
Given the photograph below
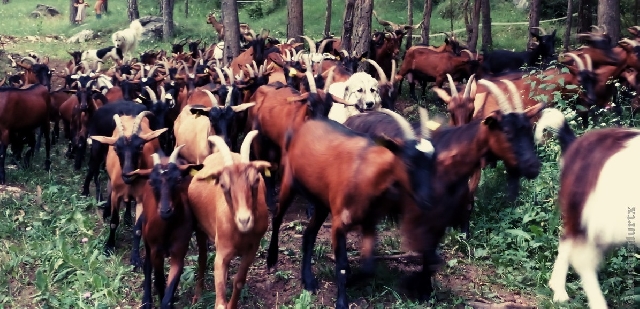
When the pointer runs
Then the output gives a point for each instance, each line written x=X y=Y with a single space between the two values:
x=33 y=61
x=227 y=100
x=152 y=71
x=152 y=95
x=323 y=44
x=245 y=148
x=138 y=120
x=312 y=44
x=119 y=125
x=468 y=52
x=329 y=80
x=214 y=101
x=174 y=154
x=66 y=71
x=291 y=40
x=630 y=42
x=577 y=60
x=503 y=102
x=156 y=159
x=250 y=69
x=382 y=76
x=517 y=99
x=220 y=75
x=385 y=22
x=467 y=89
x=587 y=59
x=424 y=123
x=255 y=66
x=603 y=28
x=99 y=67
x=230 y=73
x=452 y=85
x=162 y=93
x=405 y=126
x=541 y=30
x=346 y=53
x=312 y=82
x=393 y=71
x=223 y=148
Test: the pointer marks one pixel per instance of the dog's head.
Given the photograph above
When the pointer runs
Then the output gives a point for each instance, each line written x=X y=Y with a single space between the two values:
x=118 y=40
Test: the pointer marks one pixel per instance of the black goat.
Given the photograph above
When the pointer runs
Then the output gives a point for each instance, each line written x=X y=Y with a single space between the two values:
x=499 y=61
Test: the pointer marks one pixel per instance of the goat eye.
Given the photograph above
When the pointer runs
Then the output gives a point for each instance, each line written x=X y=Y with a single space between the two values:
x=361 y=90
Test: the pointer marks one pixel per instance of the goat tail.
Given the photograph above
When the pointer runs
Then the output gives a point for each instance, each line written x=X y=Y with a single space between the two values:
x=554 y=120
x=136 y=26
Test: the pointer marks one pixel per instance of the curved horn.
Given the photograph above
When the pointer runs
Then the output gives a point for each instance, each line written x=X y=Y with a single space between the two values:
x=252 y=74
x=119 y=125
x=515 y=94
x=312 y=44
x=212 y=98
x=452 y=85
x=173 y=158
x=467 y=89
x=424 y=123
x=138 y=120
x=345 y=53
x=162 y=93
x=405 y=126
x=503 y=102
x=152 y=95
x=587 y=59
x=468 y=52
x=541 y=30
x=291 y=40
x=577 y=60
x=245 y=148
x=220 y=75
x=323 y=44
x=393 y=71
x=381 y=75
x=329 y=80
x=312 y=82
x=255 y=66
x=227 y=100
x=223 y=148
x=230 y=74
x=156 y=159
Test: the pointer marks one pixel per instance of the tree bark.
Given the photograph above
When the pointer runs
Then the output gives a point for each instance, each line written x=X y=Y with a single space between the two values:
x=72 y=12
x=409 y=22
x=585 y=15
x=294 y=20
x=231 y=30
x=635 y=17
x=609 y=16
x=534 y=17
x=347 y=29
x=361 y=39
x=327 y=20
x=487 y=40
x=472 y=42
x=567 y=33
x=426 y=21
x=167 y=18
x=132 y=10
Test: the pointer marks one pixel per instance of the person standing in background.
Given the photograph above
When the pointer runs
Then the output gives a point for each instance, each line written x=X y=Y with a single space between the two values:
x=98 y=8
x=81 y=12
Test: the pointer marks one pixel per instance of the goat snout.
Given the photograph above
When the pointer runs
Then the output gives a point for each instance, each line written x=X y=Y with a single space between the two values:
x=531 y=169
x=166 y=213
x=244 y=222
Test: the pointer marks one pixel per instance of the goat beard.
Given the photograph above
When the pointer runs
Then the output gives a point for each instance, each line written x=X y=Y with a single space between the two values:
x=513 y=184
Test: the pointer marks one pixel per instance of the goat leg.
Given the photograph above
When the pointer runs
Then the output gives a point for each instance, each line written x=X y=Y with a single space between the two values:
x=175 y=271
x=147 y=298
x=339 y=240
x=135 y=260
x=3 y=154
x=308 y=242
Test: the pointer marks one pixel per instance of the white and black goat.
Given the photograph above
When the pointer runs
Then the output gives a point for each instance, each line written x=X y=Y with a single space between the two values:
x=597 y=198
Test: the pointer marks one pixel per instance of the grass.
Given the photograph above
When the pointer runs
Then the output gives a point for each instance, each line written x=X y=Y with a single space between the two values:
x=52 y=253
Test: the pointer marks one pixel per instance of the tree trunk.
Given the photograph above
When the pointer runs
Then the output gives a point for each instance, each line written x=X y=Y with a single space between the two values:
x=426 y=21
x=167 y=17
x=585 y=15
x=186 y=8
x=327 y=20
x=567 y=33
x=105 y=4
x=347 y=30
x=635 y=17
x=534 y=17
x=231 y=30
x=294 y=20
x=72 y=12
x=473 y=39
x=361 y=39
x=409 y=22
x=487 y=40
x=609 y=16
x=132 y=10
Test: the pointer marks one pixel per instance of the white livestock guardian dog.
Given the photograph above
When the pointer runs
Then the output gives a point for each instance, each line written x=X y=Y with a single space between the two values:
x=127 y=39
x=361 y=90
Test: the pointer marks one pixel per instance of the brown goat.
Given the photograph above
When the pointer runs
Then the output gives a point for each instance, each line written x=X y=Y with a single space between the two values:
x=228 y=200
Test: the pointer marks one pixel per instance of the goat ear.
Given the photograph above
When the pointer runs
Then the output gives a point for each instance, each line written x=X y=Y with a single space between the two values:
x=442 y=94
x=492 y=121
x=105 y=139
x=261 y=165
x=209 y=174
x=153 y=134
x=242 y=107
x=189 y=168
x=140 y=173
x=534 y=110
x=389 y=143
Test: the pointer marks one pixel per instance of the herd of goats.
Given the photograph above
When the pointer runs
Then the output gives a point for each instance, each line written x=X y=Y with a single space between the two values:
x=317 y=127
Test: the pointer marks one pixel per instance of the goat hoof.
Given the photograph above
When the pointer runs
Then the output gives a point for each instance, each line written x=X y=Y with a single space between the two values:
x=310 y=285
x=109 y=250
x=136 y=261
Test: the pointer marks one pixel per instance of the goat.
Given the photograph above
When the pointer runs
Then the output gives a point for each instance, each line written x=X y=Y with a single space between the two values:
x=167 y=225
x=460 y=108
x=228 y=200
x=594 y=201
x=37 y=72
x=132 y=144
x=340 y=186
x=499 y=61
x=24 y=110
